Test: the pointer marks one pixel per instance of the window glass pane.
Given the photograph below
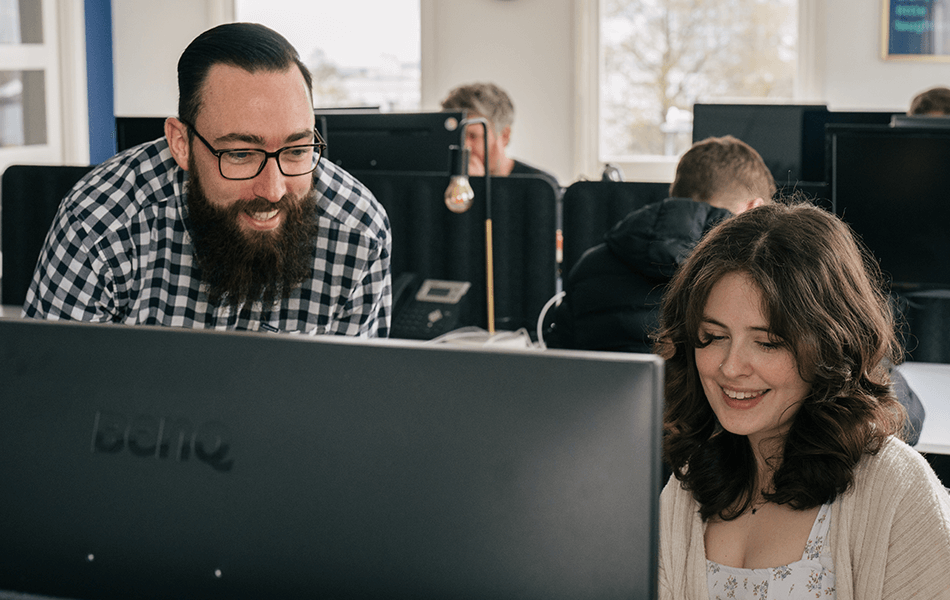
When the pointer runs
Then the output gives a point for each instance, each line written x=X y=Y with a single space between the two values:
x=361 y=52
x=21 y=22
x=662 y=56
x=22 y=108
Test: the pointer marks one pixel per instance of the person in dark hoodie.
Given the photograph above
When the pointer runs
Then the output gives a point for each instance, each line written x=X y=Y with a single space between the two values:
x=612 y=295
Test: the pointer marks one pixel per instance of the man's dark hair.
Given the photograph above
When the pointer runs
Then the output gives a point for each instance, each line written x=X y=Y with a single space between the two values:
x=249 y=46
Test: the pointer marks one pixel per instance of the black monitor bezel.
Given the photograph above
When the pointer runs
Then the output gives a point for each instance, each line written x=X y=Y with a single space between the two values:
x=896 y=272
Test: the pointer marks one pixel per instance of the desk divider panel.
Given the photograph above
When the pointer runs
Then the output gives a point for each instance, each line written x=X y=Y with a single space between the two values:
x=29 y=198
x=592 y=208
x=435 y=243
x=428 y=239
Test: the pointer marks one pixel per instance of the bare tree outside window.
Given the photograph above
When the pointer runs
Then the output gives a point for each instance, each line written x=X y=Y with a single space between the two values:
x=662 y=56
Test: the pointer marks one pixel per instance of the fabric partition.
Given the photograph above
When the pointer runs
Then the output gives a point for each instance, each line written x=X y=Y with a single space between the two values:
x=591 y=208
x=434 y=243
x=428 y=239
x=29 y=198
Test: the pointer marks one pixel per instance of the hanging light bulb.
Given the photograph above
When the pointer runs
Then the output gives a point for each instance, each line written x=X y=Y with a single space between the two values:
x=459 y=193
x=459 y=196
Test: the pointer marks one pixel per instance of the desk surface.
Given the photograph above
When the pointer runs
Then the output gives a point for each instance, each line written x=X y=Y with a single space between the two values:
x=7 y=311
x=931 y=382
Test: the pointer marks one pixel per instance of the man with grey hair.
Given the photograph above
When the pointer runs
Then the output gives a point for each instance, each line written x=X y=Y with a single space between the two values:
x=489 y=101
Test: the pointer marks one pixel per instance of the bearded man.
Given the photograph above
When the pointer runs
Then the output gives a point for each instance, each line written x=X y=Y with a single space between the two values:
x=231 y=221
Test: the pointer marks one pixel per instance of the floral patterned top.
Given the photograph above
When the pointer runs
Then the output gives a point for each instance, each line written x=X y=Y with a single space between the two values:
x=811 y=577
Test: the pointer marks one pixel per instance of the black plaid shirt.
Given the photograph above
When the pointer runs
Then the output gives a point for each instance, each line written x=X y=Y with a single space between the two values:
x=119 y=251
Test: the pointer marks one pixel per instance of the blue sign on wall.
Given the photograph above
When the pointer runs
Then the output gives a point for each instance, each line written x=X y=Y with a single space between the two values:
x=917 y=29
x=911 y=27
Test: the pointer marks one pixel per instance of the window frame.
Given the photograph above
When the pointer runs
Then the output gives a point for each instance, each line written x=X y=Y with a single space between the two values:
x=61 y=57
x=589 y=58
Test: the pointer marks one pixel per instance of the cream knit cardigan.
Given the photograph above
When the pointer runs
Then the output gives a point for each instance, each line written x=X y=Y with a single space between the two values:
x=890 y=534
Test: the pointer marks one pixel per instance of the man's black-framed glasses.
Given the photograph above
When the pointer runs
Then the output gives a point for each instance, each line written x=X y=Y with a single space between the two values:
x=247 y=163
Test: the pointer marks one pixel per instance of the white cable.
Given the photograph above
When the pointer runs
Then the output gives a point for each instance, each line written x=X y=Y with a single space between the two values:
x=544 y=311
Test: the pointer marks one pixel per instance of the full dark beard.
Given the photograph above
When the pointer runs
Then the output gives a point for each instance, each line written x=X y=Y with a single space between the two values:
x=243 y=266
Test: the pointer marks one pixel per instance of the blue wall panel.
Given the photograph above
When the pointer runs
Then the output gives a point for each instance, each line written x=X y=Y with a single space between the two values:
x=102 y=143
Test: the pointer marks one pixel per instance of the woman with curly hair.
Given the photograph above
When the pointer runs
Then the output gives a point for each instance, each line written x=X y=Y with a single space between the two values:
x=781 y=426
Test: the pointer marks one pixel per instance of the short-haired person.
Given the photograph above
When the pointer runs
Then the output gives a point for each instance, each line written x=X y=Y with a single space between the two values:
x=490 y=102
x=934 y=102
x=613 y=292
x=781 y=425
x=231 y=221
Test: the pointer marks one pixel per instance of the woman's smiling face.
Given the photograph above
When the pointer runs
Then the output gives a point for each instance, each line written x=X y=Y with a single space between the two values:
x=750 y=378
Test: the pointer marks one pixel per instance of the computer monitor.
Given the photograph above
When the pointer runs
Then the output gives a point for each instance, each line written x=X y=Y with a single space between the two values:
x=892 y=184
x=146 y=462
x=132 y=131
x=814 y=123
x=920 y=121
x=375 y=141
x=774 y=130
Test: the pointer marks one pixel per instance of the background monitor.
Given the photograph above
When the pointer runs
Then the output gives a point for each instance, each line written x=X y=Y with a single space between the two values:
x=375 y=141
x=200 y=464
x=920 y=121
x=892 y=185
x=774 y=130
x=132 y=131
x=814 y=124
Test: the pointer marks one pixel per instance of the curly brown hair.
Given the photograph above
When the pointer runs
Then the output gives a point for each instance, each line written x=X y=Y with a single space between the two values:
x=822 y=294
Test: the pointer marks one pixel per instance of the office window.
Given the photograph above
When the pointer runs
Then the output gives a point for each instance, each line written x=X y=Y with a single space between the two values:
x=22 y=92
x=22 y=108
x=42 y=91
x=361 y=52
x=21 y=22
x=659 y=57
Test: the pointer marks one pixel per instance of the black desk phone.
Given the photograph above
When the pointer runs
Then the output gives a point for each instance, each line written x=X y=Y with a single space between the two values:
x=425 y=309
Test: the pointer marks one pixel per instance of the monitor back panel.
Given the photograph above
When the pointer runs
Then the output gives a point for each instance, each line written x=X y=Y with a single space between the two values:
x=892 y=186
x=774 y=130
x=157 y=463
x=132 y=131
x=408 y=141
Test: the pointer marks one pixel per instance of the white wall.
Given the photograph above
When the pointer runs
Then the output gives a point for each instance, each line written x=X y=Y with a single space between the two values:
x=527 y=47
x=855 y=76
x=524 y=46
x=147 y=39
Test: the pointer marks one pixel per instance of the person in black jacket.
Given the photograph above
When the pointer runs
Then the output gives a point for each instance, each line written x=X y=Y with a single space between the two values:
x=613 y=293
